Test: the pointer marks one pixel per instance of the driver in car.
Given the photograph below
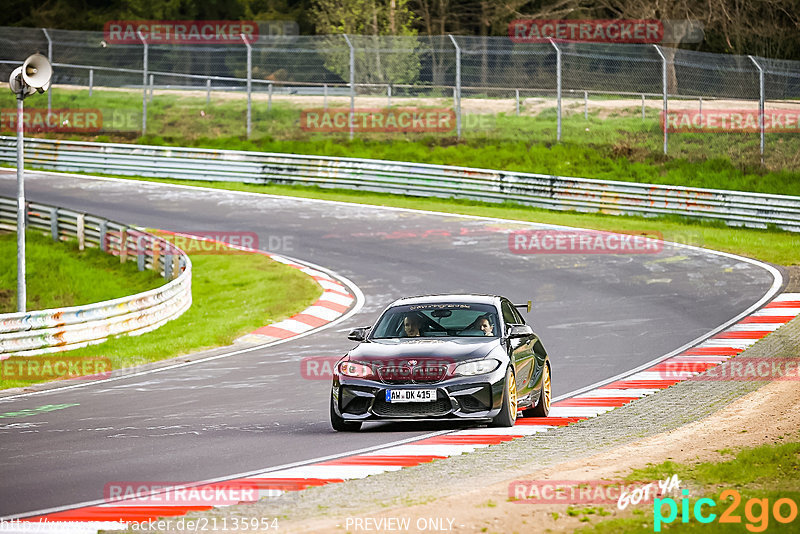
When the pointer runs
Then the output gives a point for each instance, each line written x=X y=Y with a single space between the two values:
x=484 y=324
x=411 y=325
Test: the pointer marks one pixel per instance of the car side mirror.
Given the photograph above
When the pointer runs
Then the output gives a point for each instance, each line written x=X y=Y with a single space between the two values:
x=358 y=334
x=519 y=330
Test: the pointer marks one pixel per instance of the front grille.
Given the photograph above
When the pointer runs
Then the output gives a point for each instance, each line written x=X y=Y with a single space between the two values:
x=406 y=374
x=441 y=406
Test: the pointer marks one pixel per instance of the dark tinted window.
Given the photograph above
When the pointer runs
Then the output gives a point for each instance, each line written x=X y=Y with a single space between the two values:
x=447 y=319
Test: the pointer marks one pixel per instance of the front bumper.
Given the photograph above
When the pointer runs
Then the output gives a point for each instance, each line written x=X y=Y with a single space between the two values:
x=477 y=398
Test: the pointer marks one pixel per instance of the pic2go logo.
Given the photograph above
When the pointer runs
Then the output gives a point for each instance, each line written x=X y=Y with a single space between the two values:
x=756 y=511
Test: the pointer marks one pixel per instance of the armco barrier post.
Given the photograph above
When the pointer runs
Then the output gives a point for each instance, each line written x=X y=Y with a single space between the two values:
x=558 y=89
x=352 y=118
x=54 y=223
x=144 y=84
x=760 y=104
x=664 y=89
x=457 y=91
x=249 y=82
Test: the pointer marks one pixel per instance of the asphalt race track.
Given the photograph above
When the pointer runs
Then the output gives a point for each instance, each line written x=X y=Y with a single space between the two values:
x=599 y=315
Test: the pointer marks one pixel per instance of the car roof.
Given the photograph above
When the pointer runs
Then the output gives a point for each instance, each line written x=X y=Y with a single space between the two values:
x=457 y=297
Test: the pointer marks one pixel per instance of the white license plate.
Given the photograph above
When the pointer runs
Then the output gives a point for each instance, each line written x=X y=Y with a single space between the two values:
x=410 y=395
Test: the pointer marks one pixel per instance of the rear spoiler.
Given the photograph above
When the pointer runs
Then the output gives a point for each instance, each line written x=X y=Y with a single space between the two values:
x=527 y=306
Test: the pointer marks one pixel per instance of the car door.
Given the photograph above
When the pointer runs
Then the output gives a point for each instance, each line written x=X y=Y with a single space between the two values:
x=520 y=349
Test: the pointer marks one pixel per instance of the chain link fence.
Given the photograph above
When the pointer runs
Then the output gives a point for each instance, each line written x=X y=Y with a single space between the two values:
x=571 y=89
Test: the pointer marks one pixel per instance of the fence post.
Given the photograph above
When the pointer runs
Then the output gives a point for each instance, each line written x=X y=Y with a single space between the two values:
x=586 y=105
x=269 y=97
x=558 y=88
x=457 y=97
x=208 y=91
x=249 y=82
x=144 y=85
x=50 y=59
x=389 y=95
x=91 y=81
x=351 y=119
x=150 y=98
x=664 y=85
x=760 y=103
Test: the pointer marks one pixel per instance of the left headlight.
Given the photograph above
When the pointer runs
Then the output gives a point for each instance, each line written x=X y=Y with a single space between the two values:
x=477 y=367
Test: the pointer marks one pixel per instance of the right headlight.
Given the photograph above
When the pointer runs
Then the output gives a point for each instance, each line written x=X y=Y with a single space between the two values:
x=476 y=367
x=354 y=369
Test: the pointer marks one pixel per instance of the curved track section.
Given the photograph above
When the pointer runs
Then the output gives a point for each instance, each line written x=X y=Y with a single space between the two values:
x=599 y=316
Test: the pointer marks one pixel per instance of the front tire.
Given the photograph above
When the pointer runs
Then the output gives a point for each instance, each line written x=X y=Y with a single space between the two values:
x=508 y=413
x=340 y=425
x=542 y=407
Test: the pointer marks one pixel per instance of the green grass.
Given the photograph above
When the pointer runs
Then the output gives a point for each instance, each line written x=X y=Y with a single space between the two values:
x=59 y=275
x=774 y=246
x=615 y=146
x=232 y=295
x=766 y=472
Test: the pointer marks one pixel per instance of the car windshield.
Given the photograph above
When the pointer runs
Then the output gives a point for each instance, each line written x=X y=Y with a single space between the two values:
x=446 y=319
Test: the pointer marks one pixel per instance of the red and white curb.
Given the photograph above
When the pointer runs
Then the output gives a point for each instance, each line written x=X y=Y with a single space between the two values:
x=335 y=301
x=711 y=352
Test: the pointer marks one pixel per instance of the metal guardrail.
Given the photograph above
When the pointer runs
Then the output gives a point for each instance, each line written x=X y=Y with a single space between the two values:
x=539 y=190
x=55 y=330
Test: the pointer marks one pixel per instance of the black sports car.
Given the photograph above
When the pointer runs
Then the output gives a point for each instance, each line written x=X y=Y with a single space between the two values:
x=442 y=357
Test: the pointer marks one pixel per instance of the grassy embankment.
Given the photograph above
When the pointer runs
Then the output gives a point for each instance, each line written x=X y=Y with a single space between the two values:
x=766 y=473
x=231 y=295
x=614 y=144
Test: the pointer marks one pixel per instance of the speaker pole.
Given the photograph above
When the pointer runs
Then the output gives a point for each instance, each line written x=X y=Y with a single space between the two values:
x=33 y=76
x=21 y=211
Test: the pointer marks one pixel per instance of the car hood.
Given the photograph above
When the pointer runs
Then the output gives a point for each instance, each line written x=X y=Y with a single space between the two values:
x=451 y=349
